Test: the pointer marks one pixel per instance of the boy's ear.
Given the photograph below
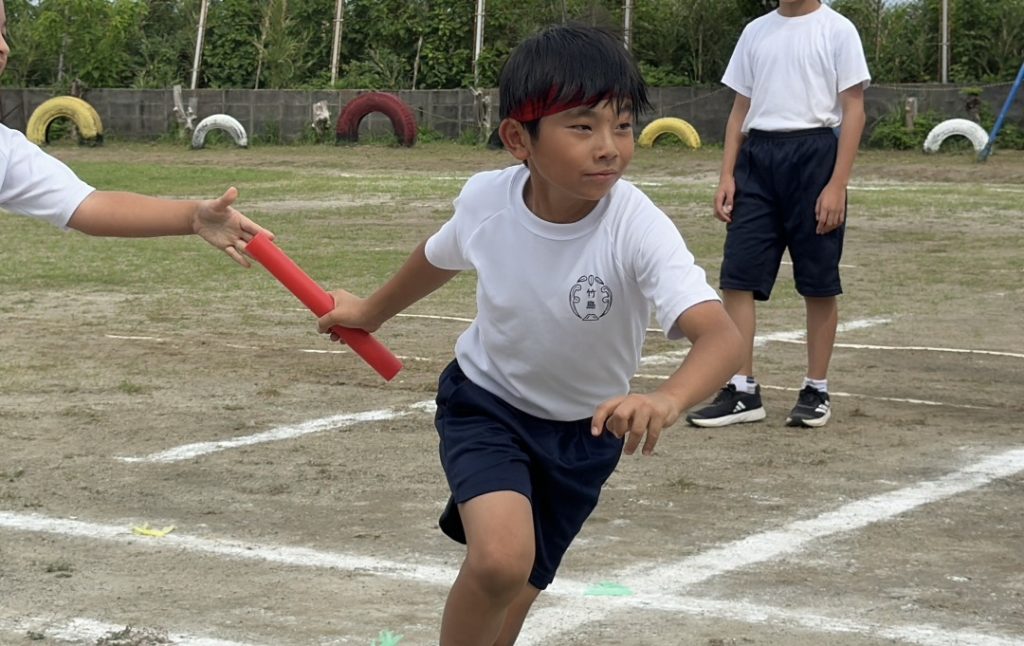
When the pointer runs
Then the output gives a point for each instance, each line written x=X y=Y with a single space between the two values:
x=515 y=138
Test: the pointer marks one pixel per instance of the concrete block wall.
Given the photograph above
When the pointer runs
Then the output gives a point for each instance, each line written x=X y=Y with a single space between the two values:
x=287 y=114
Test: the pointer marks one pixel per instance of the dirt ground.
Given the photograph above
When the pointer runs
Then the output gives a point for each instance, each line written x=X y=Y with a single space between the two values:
x=323 y=529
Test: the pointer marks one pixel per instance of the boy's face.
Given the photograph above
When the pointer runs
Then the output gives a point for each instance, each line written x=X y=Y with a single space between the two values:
x=4 y=49
x=576 y=157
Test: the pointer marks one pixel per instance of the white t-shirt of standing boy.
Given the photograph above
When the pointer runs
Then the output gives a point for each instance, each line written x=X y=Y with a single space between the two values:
x=793 y=68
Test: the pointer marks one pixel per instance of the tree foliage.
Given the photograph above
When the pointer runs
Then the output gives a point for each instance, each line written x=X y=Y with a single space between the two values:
x=401 y=44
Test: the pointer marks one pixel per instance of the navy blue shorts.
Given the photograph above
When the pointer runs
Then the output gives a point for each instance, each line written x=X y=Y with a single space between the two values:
x=488 y=445
x=779 y=176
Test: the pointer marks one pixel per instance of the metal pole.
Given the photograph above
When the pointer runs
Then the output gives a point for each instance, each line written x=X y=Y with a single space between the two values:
x=478 y=40
x=987 y=150
x=200 y=32
x=945 y=41
x=627 y=29
x=339 y=18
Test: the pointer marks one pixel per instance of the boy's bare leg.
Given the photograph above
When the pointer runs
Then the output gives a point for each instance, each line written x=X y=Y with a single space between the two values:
x=743 y=312
x=822 y=319
x=516 y=616
x=499 y=559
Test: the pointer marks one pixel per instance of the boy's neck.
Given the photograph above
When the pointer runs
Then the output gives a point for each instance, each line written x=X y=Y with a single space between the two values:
x=798 y=8
x=544 y=205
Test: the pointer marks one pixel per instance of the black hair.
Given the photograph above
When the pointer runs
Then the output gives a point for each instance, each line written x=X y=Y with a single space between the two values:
x=566 y=64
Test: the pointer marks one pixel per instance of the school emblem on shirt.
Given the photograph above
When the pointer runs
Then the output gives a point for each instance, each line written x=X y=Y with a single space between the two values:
x=590 y=299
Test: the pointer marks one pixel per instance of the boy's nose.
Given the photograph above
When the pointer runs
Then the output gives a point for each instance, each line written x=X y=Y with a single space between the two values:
x=605 y=145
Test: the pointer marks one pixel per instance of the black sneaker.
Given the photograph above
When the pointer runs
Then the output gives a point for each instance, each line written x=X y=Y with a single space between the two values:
x=729 y=407
x=812 y=409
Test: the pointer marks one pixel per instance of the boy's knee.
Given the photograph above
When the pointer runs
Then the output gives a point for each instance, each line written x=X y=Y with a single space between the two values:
x=500 y=569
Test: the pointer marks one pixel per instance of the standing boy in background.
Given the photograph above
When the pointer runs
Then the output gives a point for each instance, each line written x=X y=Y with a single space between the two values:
x=35 y=184
x=571 y=260
x=798 y=72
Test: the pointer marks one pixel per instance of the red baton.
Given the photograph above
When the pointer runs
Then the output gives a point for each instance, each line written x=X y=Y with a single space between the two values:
x=320 y=302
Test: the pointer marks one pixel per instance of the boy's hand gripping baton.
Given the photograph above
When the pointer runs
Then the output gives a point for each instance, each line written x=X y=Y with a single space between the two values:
x=320 y=302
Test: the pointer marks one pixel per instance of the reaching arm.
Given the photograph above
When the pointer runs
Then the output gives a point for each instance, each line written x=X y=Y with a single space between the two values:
x=131 y=215
x=830 y=209
x=733 y=141
x=715 y=356
x=416 y=279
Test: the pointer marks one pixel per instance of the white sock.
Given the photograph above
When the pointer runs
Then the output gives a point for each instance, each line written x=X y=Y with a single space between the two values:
x=744 y=384
x=821 y=385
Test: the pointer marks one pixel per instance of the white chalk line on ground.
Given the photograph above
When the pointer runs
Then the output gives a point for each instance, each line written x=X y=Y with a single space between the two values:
x=838 y=393
x=154 y=339
x=123 y=337
x=919 y=348
x=900 y=400
x=651 y=581
x=403 y=357
x=460 y=319
x=79 y=629
x=674 y=357
x=332 y=423
x=655 y=584
x=785 y=618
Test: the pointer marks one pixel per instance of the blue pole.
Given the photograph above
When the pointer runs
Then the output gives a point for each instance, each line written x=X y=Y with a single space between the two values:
x=987 y=150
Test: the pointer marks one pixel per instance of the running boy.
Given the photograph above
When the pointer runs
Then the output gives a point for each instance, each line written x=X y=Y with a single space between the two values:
x=798 y=72
x=571 y=260
x=35 y=184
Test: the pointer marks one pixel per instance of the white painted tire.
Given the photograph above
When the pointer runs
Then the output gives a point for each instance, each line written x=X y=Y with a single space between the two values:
x=223 y=122
x=954 y=127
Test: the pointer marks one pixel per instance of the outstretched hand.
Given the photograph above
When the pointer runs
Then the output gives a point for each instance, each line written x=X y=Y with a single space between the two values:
x=634 y=417
x=220 y=224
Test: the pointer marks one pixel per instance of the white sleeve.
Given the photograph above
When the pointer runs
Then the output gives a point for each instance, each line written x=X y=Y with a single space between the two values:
x=450 y=248
x=668 y=274
x=851 y=65
x=739 y=73
x=35 y=184
x=444 y=249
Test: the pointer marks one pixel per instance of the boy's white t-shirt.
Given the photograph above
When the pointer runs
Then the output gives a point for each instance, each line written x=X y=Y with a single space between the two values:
x=793 y=69
x=562 y=309
x=35 y=184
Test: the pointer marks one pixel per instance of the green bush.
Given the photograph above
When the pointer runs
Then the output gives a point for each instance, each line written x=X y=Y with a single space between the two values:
x=891 y=133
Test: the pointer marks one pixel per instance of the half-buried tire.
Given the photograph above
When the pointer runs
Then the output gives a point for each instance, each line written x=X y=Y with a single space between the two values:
x=402 y=118
x=224 y=122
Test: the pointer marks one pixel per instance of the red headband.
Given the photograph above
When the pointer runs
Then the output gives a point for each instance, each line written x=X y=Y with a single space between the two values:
x=536 y=108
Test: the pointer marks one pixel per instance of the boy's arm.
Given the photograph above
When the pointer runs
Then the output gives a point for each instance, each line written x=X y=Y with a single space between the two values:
x=831 y=207
x=715 y=356
x=416 y=279
x=733 y=141
x=131 y=215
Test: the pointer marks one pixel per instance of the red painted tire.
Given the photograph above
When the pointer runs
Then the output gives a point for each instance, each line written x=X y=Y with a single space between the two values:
x=402 y=119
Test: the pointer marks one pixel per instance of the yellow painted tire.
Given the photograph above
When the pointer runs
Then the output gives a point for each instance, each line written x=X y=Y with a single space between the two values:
x=669 y=126
x=83 y=115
